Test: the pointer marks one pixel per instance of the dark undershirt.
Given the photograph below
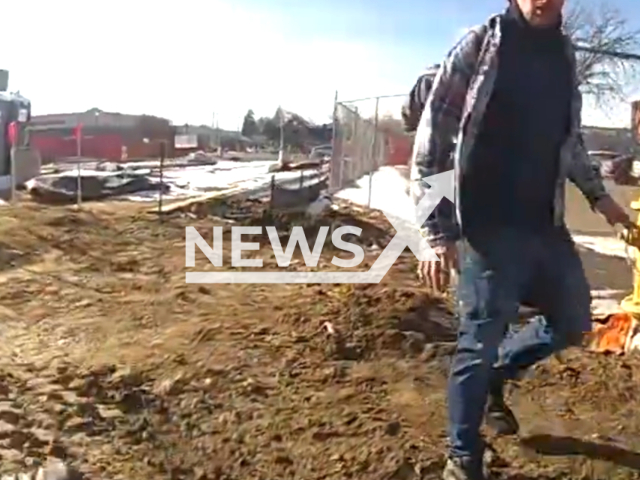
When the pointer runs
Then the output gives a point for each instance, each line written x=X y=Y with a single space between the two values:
x=511 y=175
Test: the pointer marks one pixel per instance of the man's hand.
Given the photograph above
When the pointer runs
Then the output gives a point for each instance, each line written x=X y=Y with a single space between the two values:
x=437 y=275
x=619 y=170
x=613 y=213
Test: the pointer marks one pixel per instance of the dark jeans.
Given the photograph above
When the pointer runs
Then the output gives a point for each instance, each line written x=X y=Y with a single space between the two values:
x=498 y=270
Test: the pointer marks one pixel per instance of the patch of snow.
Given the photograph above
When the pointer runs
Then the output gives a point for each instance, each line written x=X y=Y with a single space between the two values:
x=389 y=192
x=609 y=246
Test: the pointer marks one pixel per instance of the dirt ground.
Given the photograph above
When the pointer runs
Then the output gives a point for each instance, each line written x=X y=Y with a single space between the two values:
x=110 y=361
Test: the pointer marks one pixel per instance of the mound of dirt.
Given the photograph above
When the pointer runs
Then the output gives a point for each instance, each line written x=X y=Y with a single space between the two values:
x=111 y=363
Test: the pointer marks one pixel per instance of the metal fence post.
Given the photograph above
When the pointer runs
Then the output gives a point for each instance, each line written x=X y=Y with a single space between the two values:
x=357 y=151
x=281 y=154
x=374 y=151
x=13 y=136
x=334 y=183
x=12 y=158
x=163 y=154
x=79 y=165
x=272 y=188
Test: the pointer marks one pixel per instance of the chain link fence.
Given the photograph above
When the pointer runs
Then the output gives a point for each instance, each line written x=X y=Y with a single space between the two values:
x=367 y=134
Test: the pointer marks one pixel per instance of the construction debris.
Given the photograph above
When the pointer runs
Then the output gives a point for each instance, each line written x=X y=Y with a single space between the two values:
x=618 y=333
x=63 y=187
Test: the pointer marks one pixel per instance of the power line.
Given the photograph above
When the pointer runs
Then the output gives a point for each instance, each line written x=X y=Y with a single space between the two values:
x=608 y=53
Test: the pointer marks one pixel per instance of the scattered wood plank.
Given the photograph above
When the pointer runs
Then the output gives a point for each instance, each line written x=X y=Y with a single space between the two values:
x=187 y=203
x=304 y=165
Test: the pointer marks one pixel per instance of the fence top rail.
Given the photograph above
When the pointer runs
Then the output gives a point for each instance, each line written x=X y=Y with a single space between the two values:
x=397 y=95
x=360 y=117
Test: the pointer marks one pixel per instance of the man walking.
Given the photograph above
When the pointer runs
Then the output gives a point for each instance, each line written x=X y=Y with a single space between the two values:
x=504 y=111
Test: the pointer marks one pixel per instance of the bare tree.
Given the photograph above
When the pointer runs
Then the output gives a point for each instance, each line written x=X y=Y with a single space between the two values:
x=606 y=44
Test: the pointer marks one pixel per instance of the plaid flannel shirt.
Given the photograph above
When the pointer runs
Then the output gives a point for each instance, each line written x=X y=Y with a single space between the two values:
x=452 y=117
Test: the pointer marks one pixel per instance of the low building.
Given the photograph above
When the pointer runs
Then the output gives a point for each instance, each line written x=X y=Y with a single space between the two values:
x=192 y=138
x=619 y=140
x=105 y=135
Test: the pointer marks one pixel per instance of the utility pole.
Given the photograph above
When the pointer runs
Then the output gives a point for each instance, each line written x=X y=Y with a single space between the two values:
x=213 y=127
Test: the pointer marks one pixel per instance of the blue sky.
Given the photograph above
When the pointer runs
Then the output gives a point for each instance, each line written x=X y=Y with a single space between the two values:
x=193 y=59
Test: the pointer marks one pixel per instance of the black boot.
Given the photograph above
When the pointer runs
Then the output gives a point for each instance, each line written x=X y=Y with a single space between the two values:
x=499 y=416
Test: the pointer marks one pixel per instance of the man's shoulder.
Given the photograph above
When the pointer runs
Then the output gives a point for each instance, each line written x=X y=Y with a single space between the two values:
x=430 y=71
x=474 y=36
x=463 y=57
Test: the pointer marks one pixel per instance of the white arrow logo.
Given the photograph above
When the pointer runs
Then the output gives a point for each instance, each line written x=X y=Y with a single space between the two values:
x=408 y=235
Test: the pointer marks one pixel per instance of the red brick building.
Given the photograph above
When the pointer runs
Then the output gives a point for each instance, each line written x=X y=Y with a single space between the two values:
x=105 y=135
